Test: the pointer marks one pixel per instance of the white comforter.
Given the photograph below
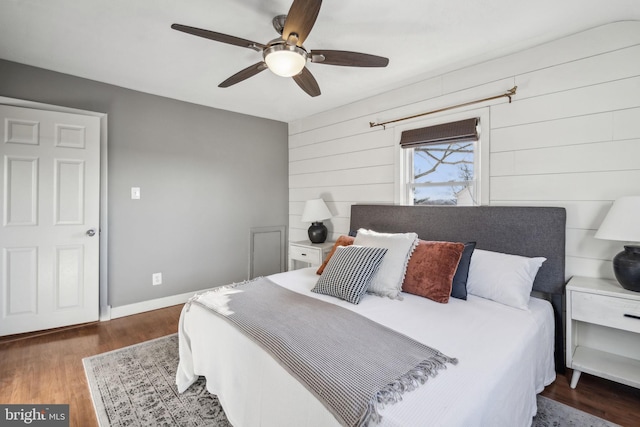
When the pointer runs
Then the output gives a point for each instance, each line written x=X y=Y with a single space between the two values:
x=505 y=358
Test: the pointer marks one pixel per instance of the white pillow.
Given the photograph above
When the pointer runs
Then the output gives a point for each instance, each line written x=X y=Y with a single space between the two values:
x=387 y=281
x=507 y=279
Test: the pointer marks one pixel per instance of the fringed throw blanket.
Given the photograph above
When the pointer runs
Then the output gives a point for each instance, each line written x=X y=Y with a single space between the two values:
x=353 y=365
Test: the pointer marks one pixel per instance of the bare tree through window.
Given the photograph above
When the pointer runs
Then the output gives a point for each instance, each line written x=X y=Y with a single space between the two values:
x=443 y=174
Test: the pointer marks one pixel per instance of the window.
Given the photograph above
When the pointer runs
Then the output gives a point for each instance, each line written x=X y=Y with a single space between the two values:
x=441 y=164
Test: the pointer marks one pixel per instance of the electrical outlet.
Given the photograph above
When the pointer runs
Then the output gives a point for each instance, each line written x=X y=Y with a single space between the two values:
x=156 y=279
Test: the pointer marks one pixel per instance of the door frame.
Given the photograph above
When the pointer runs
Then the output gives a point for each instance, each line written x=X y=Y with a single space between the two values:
x=104 y=307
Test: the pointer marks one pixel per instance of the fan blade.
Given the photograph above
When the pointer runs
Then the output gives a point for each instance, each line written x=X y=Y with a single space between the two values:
x=300 y=19
x=348 y=59
x=307 y=82
x=219 y=37
x=244 y=74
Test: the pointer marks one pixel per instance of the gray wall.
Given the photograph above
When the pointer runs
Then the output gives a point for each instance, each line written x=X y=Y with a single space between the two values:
x=206 y=177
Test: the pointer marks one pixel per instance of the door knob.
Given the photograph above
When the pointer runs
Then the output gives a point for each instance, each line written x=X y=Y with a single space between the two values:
x=91 y=232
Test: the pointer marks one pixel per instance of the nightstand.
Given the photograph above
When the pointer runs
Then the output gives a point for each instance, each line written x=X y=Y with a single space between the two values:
x=313 y=254
x=603 y=330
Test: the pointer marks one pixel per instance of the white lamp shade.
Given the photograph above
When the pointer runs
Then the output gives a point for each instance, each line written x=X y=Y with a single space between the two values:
x=622 y=221
x=315 y=210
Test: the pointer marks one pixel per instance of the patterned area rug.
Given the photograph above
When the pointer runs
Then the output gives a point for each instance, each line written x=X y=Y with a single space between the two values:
x=556 y=414
x=135 y=386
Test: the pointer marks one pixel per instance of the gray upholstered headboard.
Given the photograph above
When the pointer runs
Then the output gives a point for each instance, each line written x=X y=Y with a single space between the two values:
x=526 y=231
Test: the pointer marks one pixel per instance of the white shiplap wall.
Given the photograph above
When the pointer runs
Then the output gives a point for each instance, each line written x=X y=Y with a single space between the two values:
x=571 y=138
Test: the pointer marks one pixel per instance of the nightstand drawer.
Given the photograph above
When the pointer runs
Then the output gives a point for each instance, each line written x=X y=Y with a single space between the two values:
x=603 y=310
x=306 y=254
x=311 y=254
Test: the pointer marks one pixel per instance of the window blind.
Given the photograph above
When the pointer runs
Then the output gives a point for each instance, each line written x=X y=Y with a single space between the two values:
x=463 y=130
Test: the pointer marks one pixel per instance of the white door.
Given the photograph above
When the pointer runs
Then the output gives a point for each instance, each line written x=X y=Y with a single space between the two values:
x=50 y=191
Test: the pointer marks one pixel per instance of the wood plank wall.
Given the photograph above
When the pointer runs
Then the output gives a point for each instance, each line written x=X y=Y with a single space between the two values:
x=571 y=138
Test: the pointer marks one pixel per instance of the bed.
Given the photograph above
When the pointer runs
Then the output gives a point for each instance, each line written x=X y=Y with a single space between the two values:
x=506 y=355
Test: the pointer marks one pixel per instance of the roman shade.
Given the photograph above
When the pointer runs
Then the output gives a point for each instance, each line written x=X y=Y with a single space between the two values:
x=463 y=130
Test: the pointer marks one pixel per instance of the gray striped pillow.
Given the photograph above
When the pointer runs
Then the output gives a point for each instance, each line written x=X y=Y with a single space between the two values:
x=348 y=272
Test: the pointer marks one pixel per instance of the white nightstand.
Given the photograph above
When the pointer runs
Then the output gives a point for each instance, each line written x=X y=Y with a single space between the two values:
x=603 y=330
x=313 y=254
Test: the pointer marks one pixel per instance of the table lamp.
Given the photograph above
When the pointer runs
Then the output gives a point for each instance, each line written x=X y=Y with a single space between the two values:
x=623 y=223
x=315 y=211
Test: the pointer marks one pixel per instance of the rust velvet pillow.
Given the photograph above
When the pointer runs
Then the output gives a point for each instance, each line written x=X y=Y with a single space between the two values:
x=431 y=269
x=342 y=241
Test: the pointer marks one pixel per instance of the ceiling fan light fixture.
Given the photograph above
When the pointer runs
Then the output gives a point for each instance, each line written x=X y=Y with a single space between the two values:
x=286 y=56
x=285 y=60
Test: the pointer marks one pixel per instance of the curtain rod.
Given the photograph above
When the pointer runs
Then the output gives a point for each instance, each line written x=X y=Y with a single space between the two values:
x=507 y=94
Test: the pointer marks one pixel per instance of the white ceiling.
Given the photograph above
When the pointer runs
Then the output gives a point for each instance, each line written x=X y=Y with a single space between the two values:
x=129 y=43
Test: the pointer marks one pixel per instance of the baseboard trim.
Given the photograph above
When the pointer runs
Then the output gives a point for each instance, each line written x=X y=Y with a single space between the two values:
x=154 y=304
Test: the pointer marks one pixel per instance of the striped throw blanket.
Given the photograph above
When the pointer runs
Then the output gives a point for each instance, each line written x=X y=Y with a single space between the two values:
x=353 y=365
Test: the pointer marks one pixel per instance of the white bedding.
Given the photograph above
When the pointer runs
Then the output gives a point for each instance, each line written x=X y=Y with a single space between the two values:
x=505 y=358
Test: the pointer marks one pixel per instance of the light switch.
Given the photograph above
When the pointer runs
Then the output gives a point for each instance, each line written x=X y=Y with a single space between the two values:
x=135 y=193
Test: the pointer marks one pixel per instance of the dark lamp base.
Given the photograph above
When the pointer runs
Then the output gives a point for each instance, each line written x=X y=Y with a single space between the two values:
x=317 y=232
x=626 y=266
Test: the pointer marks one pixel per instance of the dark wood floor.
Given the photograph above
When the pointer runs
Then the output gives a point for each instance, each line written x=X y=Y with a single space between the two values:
x=606 y=399
x=47 y=369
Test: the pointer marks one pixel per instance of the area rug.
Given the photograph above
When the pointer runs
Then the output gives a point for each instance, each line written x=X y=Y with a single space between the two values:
x=135 y=386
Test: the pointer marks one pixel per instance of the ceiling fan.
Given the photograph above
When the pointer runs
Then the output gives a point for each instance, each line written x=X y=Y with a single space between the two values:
x=285 y=55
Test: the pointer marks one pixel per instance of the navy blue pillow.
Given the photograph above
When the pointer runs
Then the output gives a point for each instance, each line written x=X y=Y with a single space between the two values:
x=459 y=287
